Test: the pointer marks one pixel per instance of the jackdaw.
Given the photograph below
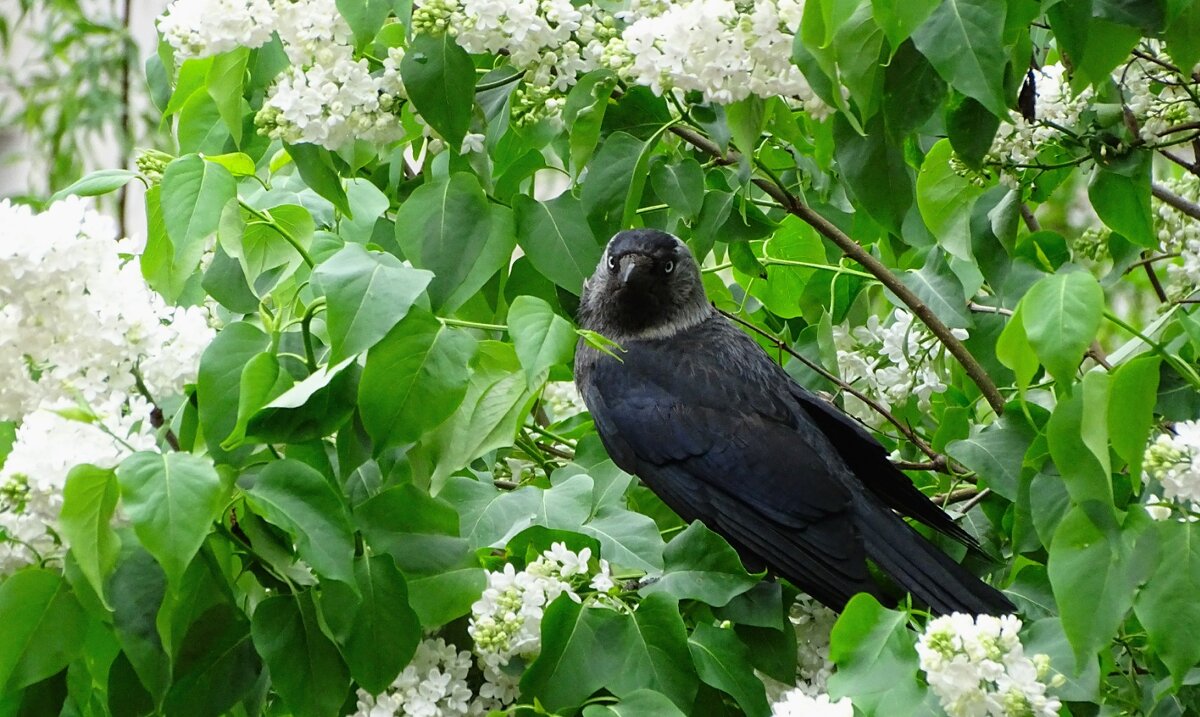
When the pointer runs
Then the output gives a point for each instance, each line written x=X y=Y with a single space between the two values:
x=700 y=412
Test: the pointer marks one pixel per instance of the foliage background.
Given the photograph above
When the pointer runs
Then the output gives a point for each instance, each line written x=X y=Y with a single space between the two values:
x=367 y=440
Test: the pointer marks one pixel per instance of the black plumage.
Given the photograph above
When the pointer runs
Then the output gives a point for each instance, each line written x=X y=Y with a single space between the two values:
x=722 y=434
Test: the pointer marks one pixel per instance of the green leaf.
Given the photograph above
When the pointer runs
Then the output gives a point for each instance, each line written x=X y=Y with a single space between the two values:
x=996 y=454
x=899 y=18
x=639 y=703
x=421 y=534
x=224 y=84
x=657 y=654
x=1082 y=682
x=627 y=539
x=93 y=184
x=316 y=169
x=971 y=128
x=379 y=632
x=44 y=627
x=413 y=379
x=583 y=115
x=557 y=239
x=1061 y=316
x=746 y=120
x=577 y=656
x=937 y=286
x=490 y=516
x=1122 y=200
x=200 y=128
x=1013 y=350
x=874 y=171
x=700 y=565
x=1085 y=475
x=172 y=500
x=542 y=338
x=306 y=669
x=217 y=666
x=239 y=164
x=440 y=80
x=266 y=256
x=298 y=499
x=610 y=175
x=489 y=415
x=946 y=200
x=1167 y=605
x=260 y=382
x=192 y=196
x=962 y=39
x=218 y=382
x=876 y=660
x=137 y=589
x=680 y=184
x=367 y=294
x=1094 y=571
x=723 y=662
x=783 y=291
x=89 y=500
x=448 y=227
x=1131 y=410
x=365 y=18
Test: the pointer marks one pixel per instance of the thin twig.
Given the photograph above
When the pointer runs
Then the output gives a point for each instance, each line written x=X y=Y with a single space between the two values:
x=1175 y=201
x=938 y=464
x=855 y=251
x=1150 y=260
x=984 y=309
x=975 y=501
x=955 y=496
x=1190 y=166
x=1030 y=220
x=1096 y=353
x=782 y=345
x=1159 y=291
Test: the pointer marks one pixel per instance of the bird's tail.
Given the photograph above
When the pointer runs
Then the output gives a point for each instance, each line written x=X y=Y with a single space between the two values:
x=924 y=570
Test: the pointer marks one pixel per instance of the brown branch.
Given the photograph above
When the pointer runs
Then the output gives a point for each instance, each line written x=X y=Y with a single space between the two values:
x=1030 y=220
x=955 y=496
x=1175 y=201
x=1159 y=291
x=935 y=457
x=1190 y=166
x=855 y=251
x=938 y=464
x=1096 y=353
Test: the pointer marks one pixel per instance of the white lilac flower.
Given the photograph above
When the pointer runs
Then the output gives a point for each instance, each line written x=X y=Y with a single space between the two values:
x=977 y=667
x=74 y=393
x=472 y=142
x=61 y=269
x=562 y=400
x=434 y=684
x=307 y=27
x=48 y=445
x=795 y=703
x=333 y=101
x=813 y=623
x=1157 y=99
x=199 y=28
x=506 y=621
x=717 y=48
x=1018 y=140
x=889 y=362
x=1173 y=459
x=1179 y=234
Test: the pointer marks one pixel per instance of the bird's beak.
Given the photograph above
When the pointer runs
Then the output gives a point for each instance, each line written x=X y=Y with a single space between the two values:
x=632 y=265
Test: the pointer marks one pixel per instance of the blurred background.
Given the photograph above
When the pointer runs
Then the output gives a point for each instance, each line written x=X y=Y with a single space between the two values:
x=73 y=96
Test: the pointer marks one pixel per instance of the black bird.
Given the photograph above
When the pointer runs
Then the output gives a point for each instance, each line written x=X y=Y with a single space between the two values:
x=723 y=435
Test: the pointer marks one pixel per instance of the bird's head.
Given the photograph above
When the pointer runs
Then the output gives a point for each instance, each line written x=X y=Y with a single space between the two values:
x=647 y=285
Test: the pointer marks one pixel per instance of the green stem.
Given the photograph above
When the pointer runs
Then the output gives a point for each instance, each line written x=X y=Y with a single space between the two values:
x=552 y=436
x=267 y=219
x=792 y=262
x=463 y=323
x=1184 y=370
x=499 y=83
x=310 y=356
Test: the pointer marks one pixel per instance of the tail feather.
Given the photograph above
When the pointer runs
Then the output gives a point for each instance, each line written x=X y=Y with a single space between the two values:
x=924 y=570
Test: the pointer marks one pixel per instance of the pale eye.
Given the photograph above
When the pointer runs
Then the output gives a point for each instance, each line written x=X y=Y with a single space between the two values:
x=668 y=267
x=612 y=262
